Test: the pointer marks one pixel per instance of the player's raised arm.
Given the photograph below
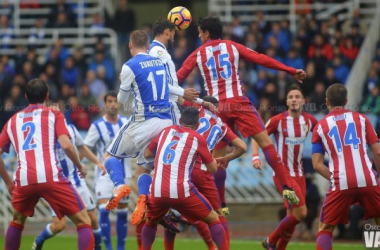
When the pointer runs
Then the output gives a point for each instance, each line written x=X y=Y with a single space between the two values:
x=239 y=148
x=187 y=67
x=86 y=152
x=268 y=62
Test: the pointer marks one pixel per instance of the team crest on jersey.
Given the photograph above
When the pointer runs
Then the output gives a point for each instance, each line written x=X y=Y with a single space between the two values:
x=160 y=53
x=305 y=128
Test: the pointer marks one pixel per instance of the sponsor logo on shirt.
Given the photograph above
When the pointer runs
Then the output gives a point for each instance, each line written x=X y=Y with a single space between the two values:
x=295 y=141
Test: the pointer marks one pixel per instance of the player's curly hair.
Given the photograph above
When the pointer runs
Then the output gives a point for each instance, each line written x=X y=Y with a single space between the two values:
x=189 y=116
x=213 y=25
x=161 y=25
x=36 y=91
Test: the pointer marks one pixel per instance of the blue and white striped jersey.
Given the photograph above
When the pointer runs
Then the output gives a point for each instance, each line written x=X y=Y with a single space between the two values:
x=69 y=169
x=157 y=49
x=146 y=78
x=101 y=134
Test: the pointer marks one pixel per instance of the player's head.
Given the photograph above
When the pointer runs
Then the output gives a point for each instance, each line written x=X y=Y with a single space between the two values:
x=138 y=41
x=164 y=30
x=336 y=96
x=110 y=103
x=210 y=98
x=36 y=91
x=189 y=117
x=210 y=28
x=294 y=98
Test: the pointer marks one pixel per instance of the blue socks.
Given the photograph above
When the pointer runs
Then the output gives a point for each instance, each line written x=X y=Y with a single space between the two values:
x=98 y=238
x=143 y=183
x=116 y=170
x=121 y=227
x=105 y=225
x=45 y=234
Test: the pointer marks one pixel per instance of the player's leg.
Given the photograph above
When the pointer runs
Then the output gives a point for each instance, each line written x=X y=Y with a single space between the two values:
x=82 y=221
x=143 y=183
x=204 y=232
x=103 y=190
x=324 y=236
x=49 y=231
x=216 y=230
x=14 y=231
x=220 y=179
x=122 y=223
x=97 y=231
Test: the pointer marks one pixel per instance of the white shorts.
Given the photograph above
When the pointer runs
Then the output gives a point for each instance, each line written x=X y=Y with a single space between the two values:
x=104 y=187
x=134 y=137
x=175 y=113
x=85 y=194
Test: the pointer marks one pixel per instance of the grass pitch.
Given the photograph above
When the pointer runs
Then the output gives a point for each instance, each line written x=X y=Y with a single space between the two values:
x=68 y=242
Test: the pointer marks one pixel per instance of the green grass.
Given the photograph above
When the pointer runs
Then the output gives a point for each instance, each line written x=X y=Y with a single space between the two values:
x=66 y=242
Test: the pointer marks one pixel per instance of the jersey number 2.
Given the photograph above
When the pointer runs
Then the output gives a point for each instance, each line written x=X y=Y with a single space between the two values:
x=152 y=80
x=29 y=135
x=224 y=63
x=350 y=137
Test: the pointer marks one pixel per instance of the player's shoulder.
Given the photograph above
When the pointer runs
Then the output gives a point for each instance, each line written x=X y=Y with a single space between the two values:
x=277 y=118
x=98 y=121
x=157 y=50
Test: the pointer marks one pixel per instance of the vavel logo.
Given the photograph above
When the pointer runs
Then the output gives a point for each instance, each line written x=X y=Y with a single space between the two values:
x=371 y=236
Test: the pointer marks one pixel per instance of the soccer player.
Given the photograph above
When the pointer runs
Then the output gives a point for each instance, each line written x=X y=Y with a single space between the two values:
x=33 y=132
x=71 y=172
x=100 y=135
x=175 y=150
x=144 y=76
x=344 y=136
x=290 y=129
x=218 y=62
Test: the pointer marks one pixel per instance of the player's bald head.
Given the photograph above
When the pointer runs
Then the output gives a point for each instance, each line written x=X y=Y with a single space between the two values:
x=336 y=94
x=139 y=39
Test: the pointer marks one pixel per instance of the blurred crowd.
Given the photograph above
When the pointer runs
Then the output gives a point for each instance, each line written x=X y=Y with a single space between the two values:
x=326 y=50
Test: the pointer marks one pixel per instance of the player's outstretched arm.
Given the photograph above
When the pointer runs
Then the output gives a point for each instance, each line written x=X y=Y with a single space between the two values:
x=70 y=151
x=239 y=148
x=256 y=162
x=212 y=167
x=86 y=152
x=319 y=165
x=4 y=174
x=375 y=148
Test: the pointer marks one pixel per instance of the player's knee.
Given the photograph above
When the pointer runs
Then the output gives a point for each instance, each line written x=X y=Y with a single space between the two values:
x=219 y=211
x=213 y=216
x=106 y=156
x=94 y=220
x=18 y=218
x=301 y=213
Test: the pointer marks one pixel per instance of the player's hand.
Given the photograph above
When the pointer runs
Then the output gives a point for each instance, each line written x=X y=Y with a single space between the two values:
x=256 y=162
x=191 y=94
x=102 y=168
x=10 y=187
x=82 y=171
x=222 y=162
x=300 y=75
x=210 y=106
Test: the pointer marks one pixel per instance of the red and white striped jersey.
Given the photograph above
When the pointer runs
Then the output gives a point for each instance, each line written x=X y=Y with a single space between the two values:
x=290 y=135
x=345 y=135
x=176 y=150
x=218 y=62
x=33 y=133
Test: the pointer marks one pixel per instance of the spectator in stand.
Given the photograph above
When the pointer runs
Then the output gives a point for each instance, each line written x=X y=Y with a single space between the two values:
x=53 y=76
x=283 y=83
x=31 y=56
x=37 y=33
x=9 y=67
x=70 y=73
x=62 y=51
x=19 y=57
x=330 y=77
x=319 y=61
x=53 y=88
x=373 y=79
x=318 y=97
x=80 y=62
x=124 y=23
x=348 y=49
x=282 y=37
x=341 y=71
x=18 y=97
x=79 y=115
x=294 y=60
x=53 y=58
x=62 y=22
x=27 y=71
x=237 y=31
x=319 y=43
x=263 y=24
x=97 y=87
x=357 y=38
x=313 y=28
x=251 y=95
x=271 y=72
x=181 y=52
x=5 y=79
x=7 y=8
x=273 y=43
x=251 y=42
x=333 y=25
x=86 y=99
x=311 y=78
x=6 y=32
x=100 y=60
x=371 y=104
x=66 y=92
x=61 y=7
x=262 y=80
x=354 y=20
x=254 y=29
x=97 y=24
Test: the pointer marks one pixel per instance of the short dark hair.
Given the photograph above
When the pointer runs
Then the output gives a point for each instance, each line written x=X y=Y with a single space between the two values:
x=213 y=25
x=110 y=93
x=161 y=25
x=36 y=91
x=337 y=95
x=210 y=98
x=294 y=86
x=139 y=38
x=190 y=116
